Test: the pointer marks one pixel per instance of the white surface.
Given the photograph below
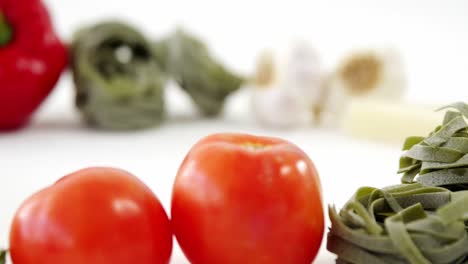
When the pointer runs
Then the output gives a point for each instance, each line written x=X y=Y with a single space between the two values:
x=432 y=35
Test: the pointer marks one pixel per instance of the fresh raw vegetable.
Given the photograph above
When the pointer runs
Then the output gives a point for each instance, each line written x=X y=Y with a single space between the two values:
x=95 y=215
x=440 y=159
x=408 y=223
x=288 y=89
x=245 y=199
x=376 y=74
x=119 y=84
x=32 y=57
x=189 y=62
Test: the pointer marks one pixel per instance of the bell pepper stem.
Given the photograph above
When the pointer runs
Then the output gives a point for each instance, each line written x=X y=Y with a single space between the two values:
x=5 y=31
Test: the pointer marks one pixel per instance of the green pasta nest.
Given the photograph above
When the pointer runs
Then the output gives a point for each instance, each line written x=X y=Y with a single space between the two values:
x=441 y=158
x=421 y=220
x=189 y=61
x=118 y=83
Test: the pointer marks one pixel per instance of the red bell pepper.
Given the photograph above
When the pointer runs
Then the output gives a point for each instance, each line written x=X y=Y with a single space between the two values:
x=32 y=57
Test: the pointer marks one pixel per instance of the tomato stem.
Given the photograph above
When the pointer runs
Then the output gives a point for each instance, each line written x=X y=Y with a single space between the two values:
x=254 y=146
x=5 y=32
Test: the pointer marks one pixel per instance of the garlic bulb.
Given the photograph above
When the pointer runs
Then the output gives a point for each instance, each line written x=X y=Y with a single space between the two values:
x=287 y=85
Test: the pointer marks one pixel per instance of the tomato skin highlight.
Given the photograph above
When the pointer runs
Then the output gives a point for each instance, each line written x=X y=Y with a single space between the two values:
x=245 y=199
x=95 y=215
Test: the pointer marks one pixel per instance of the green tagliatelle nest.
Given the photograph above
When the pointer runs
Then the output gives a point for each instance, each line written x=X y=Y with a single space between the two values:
x=415 y=222
x=407 y=223
x=188 y=60
x=119 y=84
x=441 y=158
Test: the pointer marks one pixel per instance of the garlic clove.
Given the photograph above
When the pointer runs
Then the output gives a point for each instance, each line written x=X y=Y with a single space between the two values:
x=279 y=107
x=302 y=70
x=265 y=72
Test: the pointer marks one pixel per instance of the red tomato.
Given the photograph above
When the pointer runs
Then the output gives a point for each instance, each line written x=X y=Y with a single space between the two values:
x=246 y=199
x=96 y=215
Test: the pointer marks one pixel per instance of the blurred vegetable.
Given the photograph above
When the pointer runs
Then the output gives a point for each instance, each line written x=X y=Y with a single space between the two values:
x=32 y=57
x=118 y=82
x=408 y=223
x=440 y=159
x=376 y=73
x=96 y=215
x=287 y=90
x=246 y=199
x=367 y=74
x=189 y=62
x=2 y=256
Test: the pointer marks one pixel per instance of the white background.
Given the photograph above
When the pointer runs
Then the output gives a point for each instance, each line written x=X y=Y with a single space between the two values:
x=432 y=36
